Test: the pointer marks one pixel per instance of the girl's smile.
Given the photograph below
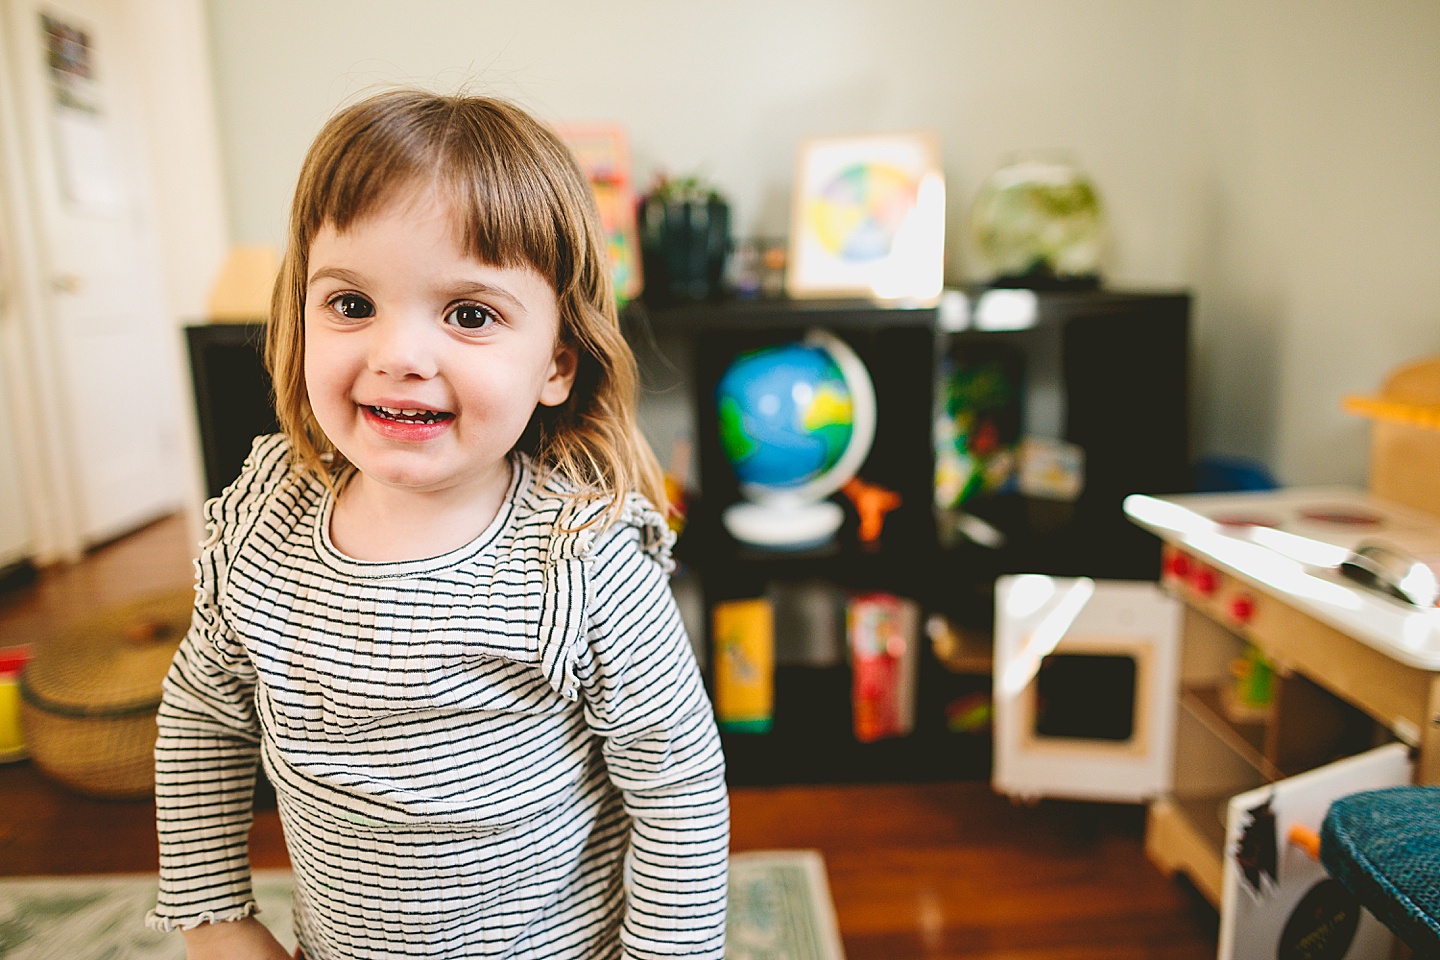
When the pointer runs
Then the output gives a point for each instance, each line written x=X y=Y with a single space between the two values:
x=406 y=424
x=424 y=365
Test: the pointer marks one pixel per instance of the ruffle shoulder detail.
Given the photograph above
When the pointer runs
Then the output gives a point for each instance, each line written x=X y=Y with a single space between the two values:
x=576 y=528
x=582 y=526
x=230 y=515
x=229 y=520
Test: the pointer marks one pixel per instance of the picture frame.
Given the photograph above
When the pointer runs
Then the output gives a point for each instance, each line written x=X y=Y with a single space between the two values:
x=603 y=152
x=868 y=218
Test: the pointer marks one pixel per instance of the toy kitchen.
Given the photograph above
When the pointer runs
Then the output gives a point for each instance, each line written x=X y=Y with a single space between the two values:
x=1290 y=656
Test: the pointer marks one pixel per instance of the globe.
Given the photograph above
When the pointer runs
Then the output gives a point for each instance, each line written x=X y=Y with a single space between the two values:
x=796 y=421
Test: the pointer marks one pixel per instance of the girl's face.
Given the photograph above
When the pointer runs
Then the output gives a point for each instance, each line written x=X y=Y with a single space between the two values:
x=423 y=365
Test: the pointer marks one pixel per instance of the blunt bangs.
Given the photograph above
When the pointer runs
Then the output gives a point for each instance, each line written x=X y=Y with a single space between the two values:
x=494 y=172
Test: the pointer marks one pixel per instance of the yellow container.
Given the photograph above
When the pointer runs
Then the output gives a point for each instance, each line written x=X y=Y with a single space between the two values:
x=12 y=739
x=744 y=633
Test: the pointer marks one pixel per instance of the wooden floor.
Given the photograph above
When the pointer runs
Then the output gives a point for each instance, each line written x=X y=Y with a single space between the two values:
x=922 y=871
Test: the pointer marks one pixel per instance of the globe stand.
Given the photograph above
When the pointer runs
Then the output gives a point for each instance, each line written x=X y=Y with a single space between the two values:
x=783 y=524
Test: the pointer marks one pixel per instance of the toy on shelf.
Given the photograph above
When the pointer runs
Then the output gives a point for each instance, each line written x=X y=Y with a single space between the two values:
x=603 y=152
x=884 y=641
x=872 y=502
x=977 y=426
x=796 y=421
x=1051 y=469
x=677 y=491
x=1251 y=698
x=971 y=713
x=744 y=634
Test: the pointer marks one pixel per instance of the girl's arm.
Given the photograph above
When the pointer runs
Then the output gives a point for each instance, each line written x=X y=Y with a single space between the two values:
x=644 y=696
x=206 y=755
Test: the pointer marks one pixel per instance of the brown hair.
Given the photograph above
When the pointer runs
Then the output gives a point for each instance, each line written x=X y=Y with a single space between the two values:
x=521 y=200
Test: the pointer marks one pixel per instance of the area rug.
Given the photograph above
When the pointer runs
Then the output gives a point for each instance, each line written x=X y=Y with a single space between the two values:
x=780 y=909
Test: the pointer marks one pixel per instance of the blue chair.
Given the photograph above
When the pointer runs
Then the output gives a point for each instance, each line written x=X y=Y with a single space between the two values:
x=1384 y=847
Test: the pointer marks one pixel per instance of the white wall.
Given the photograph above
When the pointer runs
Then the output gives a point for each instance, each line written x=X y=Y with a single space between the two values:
x=1280 y=158
x=183 y=148
x=178 y=105
x=1314 y=160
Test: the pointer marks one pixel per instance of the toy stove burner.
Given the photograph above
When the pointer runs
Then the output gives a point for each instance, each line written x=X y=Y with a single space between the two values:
x=1342 y=516
x=1247 y=520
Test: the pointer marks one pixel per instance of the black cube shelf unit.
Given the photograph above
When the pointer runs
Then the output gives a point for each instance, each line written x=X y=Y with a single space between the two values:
x=1112 y=364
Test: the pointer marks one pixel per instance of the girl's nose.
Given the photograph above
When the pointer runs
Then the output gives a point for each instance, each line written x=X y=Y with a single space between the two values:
x=400 y=348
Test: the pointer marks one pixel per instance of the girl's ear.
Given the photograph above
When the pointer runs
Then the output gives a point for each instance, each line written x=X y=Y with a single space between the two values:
x=562 y=374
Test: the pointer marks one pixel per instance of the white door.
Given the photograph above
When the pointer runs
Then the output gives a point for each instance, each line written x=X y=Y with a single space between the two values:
x=117 y=406
x=1275 y=895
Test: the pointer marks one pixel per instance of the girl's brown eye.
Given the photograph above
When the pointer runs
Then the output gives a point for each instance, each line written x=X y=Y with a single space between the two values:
x=470 y=316
x=353 y=307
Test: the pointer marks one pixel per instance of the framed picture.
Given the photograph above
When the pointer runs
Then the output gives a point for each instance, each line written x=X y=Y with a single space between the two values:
x=868 y=218
x=603 y=151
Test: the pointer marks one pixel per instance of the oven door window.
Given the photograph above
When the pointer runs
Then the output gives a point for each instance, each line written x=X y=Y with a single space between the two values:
x=1086 y=697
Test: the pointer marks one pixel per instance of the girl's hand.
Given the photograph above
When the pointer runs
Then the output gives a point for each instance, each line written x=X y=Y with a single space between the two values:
x=245 y=939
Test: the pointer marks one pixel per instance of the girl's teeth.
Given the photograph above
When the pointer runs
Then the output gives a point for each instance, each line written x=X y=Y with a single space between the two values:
x=395 y=413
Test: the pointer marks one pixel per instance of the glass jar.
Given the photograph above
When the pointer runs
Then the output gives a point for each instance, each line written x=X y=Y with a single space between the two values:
x=1039 y=222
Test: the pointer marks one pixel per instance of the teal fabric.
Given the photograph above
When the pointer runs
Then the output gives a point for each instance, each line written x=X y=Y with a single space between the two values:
x=1384 y=847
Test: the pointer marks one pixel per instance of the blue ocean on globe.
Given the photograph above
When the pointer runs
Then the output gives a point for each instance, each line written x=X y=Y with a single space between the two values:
x=786 y=415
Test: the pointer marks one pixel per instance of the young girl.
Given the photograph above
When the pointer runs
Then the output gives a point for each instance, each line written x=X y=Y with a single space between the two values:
x=436 y=605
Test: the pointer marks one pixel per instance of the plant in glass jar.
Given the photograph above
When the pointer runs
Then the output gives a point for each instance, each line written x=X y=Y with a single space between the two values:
x=1040 y=223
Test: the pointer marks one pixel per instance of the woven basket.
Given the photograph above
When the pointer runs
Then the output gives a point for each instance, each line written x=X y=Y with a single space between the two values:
x=88 y=697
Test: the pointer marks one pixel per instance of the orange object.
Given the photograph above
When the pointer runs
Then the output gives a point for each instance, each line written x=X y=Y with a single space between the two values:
x=677 y=506
x=1306 y=839
x=872 y=502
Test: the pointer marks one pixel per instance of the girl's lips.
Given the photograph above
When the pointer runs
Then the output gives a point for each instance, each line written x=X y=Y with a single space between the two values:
x=401 y=428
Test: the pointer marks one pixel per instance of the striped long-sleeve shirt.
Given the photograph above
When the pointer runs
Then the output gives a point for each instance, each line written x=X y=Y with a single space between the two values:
x=504 y=751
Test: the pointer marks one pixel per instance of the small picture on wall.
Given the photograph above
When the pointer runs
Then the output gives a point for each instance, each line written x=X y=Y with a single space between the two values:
x=603 y=151
x=69 y=55
x=84 y=150
x=868 y=218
